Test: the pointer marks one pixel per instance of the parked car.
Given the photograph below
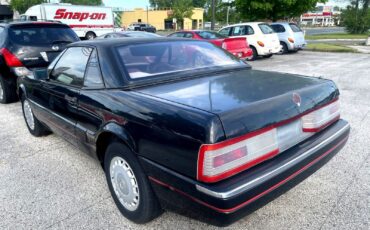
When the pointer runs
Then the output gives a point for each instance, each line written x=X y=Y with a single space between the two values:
x=142 y=27
x=28 y=45
x=261 y=37
x=125 y=34
x=290 y=35
x=183 y=125
x=237 y=46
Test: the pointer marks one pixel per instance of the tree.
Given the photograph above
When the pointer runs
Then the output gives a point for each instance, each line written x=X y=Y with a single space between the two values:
x=273 y=9
x=182 y=9
x=171 y=3
x=221 y=11
x=357 y=19
x=84 y=2
x=21 y=6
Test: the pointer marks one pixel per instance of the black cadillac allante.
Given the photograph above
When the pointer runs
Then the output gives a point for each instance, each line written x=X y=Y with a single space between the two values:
x=185 y=126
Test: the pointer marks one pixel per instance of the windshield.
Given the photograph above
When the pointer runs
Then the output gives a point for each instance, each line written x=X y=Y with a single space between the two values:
x=266 y=29
x=145 y=60
x=295 y=28
x=209 y=35
x=36 y=35
x=142 y=35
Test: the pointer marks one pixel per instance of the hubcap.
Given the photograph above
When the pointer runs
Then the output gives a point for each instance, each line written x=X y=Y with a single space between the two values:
x=124 y=183
x=1 y=92
x=28 y=114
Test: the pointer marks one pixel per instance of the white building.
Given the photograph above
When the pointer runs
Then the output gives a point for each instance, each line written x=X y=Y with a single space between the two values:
x=322 y=16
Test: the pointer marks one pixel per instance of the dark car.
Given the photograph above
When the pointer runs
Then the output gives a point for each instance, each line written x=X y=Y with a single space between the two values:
x=183 y=125
x=28 y=45
x=129 y=34
x=142 y=27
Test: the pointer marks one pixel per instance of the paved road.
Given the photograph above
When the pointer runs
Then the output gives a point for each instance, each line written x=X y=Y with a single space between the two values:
x=46 y=183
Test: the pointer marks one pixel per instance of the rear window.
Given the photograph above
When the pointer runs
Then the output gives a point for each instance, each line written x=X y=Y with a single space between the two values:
x=145 y=60
x=278 y=28
x=265 y=28
x=295 y=28
x=209 y=35
x=39 y=35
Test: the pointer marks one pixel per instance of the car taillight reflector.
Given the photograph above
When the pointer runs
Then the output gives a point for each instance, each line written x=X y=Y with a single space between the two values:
x=10 y=59
x=291 y=40
x=260 y=43
x=321 y=118
x=224 y=46
x=225 y=159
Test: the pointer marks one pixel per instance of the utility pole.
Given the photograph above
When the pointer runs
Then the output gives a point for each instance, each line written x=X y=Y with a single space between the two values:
x=213 y=15
x=227 y=13
x=147 y=15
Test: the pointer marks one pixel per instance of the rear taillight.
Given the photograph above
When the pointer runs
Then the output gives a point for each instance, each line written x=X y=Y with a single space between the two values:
x=225 y=159
x=321 y=118
x=224 y=46
x=260 y=43
x=222 y=160
x=291 y=40
x=10 y=59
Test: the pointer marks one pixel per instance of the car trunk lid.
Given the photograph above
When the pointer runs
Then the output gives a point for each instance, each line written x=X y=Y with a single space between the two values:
x=297 y=34
x=249 y=100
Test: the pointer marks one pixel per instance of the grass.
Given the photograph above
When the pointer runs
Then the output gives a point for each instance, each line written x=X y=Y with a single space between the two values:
x=325 y=47
x=336 y=36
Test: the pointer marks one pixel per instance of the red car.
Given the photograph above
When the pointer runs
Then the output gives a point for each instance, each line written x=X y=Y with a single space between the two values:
x=237 y=46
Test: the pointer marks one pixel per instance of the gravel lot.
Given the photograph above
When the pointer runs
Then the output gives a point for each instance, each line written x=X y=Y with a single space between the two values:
x=47 y=183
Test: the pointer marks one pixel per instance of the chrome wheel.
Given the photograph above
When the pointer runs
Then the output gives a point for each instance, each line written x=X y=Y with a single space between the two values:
x=28 y=115
x=1 y=92
x=124 y=183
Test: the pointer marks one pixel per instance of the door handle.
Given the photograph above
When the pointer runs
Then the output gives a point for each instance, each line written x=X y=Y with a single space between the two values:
x=71 y=100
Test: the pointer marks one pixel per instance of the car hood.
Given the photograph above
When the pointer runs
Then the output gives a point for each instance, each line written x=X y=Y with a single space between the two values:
x=248 y=100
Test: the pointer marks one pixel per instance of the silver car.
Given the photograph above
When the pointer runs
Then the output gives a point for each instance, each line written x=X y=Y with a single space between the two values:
x=290 y=35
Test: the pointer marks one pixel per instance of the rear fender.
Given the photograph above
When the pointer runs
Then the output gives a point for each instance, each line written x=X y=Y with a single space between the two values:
x=119 y=132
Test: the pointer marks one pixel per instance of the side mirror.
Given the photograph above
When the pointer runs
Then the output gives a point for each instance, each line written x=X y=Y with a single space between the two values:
x=41 y=74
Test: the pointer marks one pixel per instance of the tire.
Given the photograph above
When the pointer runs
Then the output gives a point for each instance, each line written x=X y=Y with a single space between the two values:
x=33 y=124
x=90 y=35
x=284 y=48
x=8 y=92
x=254 y=55
x=125 y=176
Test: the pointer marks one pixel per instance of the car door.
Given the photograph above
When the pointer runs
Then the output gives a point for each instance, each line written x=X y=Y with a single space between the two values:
x=60 y=91
x=91 y=113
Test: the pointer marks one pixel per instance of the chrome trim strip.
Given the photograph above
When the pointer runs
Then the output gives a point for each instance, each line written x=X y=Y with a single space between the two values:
x=269 y=175
x=53 y=113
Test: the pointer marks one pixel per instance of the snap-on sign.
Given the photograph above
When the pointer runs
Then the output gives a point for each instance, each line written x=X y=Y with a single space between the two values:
x=64 y=14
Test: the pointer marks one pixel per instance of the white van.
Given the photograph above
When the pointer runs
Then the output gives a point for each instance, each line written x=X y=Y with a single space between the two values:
x=261 y=37
x=87 y=21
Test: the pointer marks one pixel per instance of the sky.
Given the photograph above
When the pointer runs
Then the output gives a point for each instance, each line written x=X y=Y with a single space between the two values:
x=127 y=4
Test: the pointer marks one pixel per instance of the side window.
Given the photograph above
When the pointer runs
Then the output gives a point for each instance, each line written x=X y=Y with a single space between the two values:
x=1 y=35
x=177 y=35
x=70 y=69
x=225 y=32
x=93 y=78
x=188 y=35
x=249 y=30
x=238 y=31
